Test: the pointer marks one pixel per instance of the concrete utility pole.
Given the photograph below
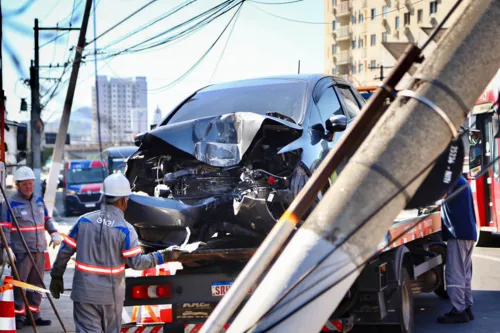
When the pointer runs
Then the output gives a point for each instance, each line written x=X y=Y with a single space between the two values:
x=50 y=191
x=36 y=121
x=407 y=138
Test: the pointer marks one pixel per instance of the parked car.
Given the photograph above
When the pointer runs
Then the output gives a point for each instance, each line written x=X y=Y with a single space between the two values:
x=116 y=158
x=231 y=157
x=82 y=185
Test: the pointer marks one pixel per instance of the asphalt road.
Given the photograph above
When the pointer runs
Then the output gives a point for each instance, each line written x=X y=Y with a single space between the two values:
x=485 y=284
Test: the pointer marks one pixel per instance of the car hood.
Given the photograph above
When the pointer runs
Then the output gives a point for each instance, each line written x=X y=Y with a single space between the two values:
x=220 y=140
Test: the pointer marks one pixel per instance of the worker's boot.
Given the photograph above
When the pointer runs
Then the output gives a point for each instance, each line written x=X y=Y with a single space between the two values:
x=469 y=313
x=454 y=317
x=39 y=322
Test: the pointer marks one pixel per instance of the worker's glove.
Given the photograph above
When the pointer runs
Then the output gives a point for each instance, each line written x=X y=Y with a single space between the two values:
x=5 y=255
x=169 y=254
x=56 y=287
x=56 y=239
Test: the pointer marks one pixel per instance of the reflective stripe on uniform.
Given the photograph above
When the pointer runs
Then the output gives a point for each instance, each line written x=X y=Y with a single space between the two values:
x=132 y=252
x=22 y=311
x=34 y=308
x=47 y=218
x=6 y=225
x=99 y=269
x=70 y=242
x=29 y=229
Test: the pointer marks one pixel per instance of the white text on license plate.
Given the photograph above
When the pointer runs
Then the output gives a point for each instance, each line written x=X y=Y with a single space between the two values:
x=90 y=205
x=219 y=289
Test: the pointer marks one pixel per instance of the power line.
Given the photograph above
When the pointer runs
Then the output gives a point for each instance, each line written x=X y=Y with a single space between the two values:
x=225 y=45
x=122 y=21
x=164 y=87
x=275 y=3
x=310 y=22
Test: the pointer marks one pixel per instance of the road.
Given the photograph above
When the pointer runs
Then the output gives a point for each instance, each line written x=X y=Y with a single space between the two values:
x=486 y=286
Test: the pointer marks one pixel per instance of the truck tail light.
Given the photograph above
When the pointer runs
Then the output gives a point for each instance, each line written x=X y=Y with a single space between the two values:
x=151 y=291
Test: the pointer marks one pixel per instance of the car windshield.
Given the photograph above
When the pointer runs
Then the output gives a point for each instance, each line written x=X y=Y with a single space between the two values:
x=86 y=175
x=283 y=100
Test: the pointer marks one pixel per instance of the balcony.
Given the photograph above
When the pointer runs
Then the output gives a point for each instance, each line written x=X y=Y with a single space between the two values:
x=342 y=33
x=342 y=9
x=343 y=58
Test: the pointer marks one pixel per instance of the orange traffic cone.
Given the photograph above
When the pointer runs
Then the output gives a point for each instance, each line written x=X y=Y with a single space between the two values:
x=48 y=266
x=7 y=314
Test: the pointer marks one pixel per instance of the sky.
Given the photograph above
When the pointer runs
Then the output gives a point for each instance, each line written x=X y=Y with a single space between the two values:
x=259 y=45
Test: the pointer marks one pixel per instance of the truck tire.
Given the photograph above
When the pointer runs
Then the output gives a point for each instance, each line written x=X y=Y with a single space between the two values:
x=440 y=291
x=406 y=313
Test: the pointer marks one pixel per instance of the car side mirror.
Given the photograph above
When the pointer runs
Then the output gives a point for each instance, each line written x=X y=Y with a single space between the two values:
x=336 y=123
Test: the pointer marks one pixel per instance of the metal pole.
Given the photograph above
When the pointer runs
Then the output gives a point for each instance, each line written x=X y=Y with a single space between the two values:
x=36 y=122
x=271 y=245
x=298 y=69
x=381 y=72
x=404 y=141
x=50 y=191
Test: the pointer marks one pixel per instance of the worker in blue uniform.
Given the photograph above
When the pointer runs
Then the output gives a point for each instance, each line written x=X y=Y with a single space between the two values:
x=459 y=230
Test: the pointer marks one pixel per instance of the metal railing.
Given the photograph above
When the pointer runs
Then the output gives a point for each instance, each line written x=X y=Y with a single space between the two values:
x=343 y=8
x=343 y=57
x=342 y=32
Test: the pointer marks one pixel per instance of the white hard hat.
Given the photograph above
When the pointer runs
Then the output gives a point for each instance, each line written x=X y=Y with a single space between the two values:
x=116 y=185
x=23 y=173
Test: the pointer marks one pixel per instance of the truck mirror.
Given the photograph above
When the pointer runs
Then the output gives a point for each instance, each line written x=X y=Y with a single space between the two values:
x=475 y=159
x=474 y=136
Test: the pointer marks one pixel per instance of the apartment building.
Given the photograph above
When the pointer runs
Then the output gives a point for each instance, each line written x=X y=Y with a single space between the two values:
x=123 y=109
x=366 y=35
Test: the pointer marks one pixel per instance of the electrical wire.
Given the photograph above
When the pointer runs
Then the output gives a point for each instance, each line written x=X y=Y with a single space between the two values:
x=122 y=21
x=164 y=87
x=214 y=12
x=275 y=3
x=151 y=23
x=310 y=22
x=225 y=46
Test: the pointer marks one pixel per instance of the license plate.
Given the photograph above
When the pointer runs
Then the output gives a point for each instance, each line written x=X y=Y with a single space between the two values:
x=220 y=288
x=90 y=205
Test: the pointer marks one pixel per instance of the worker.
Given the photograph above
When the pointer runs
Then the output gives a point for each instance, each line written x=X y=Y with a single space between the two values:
x=459 y=230
x=33 y=219
x=104 y=242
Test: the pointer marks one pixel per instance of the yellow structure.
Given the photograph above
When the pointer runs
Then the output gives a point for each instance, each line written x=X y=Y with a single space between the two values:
x=367 y=34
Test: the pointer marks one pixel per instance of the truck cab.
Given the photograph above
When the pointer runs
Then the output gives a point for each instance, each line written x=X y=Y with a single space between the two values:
x=483 y=145
x=82 y=185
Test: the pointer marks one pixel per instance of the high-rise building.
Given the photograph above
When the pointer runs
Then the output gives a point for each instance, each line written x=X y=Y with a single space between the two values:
x=366 y=35
x=123 y=109
x=157 y=117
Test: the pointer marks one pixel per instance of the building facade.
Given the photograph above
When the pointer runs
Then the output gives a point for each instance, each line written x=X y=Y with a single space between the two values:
x=123 y=109
x=366 y=35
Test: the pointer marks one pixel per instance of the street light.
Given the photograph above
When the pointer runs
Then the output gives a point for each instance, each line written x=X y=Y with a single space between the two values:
x=24 y=105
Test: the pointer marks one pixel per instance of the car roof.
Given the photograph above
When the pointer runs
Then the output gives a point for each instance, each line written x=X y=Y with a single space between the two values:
x=298 y=78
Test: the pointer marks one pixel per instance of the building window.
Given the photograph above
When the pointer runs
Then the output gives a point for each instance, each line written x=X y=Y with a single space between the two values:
x=354 y=68
x=397 y=22
x=353 y=19
x=353 y=44
x=334 y=49
x=384 y=11
x=374 y=13
x=406 y=18
x=334 y=25
x=334 y=3
x=360 y=18
x=420 y=15
x=373 y=65
x=360 y=43
x=433 y=6
x=384 y=37
x=360 y=68
x=373 y=40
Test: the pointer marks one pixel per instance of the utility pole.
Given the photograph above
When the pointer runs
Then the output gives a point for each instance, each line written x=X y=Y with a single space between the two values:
x=50 y=191
x=298 y=70
x=36 y=121
x=411 y=134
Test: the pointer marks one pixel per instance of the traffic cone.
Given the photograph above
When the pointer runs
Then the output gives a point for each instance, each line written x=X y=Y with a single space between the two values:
x=48 y=266
x=7 y=314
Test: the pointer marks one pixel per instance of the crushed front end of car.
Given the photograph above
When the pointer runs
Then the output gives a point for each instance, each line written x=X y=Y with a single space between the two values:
x=222 y=180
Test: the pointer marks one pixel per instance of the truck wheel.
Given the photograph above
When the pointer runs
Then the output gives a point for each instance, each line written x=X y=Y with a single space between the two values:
x=406 y=313
x=440 y=291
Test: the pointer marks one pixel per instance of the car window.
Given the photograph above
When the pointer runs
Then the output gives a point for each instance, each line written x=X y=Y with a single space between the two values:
x=328 y=104
x=351 y=104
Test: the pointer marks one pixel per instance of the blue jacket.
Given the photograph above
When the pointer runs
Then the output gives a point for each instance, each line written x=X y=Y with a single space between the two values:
x=457 y=214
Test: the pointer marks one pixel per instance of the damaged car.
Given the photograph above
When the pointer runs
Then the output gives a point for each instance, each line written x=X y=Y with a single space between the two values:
x=223 y=166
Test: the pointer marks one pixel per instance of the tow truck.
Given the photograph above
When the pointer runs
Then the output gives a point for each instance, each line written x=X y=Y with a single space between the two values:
x=483 y=142
x=409 y=261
